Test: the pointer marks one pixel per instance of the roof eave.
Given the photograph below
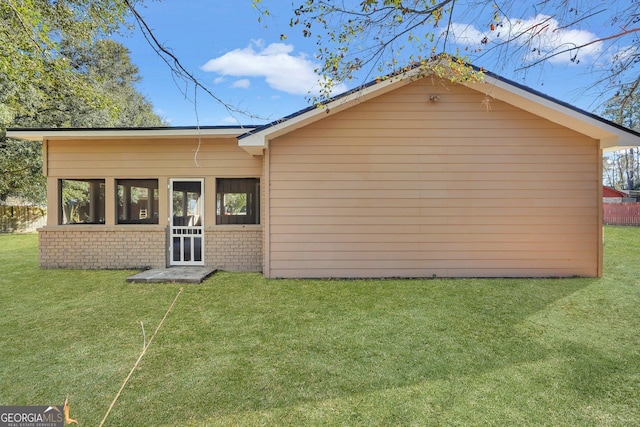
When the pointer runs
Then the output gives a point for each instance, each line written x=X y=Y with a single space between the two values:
x=253 y=144
x=125 y=133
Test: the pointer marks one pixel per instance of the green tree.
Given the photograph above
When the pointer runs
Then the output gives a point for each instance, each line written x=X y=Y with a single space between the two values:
x=31 y=63
x=21 y=171
x=235 y=203
x=107 y=65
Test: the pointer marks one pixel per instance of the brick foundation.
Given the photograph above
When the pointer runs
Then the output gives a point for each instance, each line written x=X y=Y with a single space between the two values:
x=101 y=247
x=232 y=248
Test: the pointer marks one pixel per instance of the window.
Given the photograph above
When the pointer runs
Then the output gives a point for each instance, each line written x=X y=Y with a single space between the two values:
x=82 y=201
x=137 y=201
x=238 y=201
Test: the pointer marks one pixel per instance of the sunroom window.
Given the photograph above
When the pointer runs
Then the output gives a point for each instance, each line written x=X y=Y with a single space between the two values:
x=237 y=201
x=137 y=201
x=82 y=201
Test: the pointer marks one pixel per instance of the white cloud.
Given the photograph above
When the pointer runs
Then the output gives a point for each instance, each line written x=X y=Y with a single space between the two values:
x=242 y=84
x=218 y=80
x=275 y=63
x=543 y=36
x=228 y=120
x=160 y=112
x=465 y=34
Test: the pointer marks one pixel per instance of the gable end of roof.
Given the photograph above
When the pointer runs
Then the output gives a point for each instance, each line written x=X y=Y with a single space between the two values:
x=610 y=135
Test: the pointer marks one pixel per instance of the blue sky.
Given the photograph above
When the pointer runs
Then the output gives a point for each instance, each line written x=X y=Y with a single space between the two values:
x=245 y=63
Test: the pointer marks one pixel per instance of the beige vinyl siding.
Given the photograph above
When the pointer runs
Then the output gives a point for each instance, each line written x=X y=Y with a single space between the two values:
x=150 y=158
x=402 y=186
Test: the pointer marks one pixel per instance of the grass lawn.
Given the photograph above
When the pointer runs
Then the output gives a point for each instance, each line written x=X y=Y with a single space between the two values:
x=242 y=350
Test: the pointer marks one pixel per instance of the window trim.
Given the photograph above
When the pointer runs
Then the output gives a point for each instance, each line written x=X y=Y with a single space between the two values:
x=236 y=185
x=99 y=198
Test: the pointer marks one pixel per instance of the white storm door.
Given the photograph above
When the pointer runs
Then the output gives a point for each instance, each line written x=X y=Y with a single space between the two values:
x=186 y=239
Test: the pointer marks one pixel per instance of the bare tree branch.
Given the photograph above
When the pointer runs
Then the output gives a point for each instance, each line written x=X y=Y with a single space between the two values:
x=577 y=47
x=176 y=67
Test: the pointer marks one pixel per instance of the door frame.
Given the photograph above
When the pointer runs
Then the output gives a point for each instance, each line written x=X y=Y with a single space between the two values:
x=190 y=231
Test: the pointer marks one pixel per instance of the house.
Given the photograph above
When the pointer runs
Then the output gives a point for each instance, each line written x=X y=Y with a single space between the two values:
x=619 y=208
x=611 y=195
x=405 y=177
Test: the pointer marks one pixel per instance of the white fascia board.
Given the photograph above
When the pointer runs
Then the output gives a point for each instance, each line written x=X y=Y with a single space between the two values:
x=253 y=144
x=132 y=133
x=256 y=142
x=610 y=144
x=609 y=136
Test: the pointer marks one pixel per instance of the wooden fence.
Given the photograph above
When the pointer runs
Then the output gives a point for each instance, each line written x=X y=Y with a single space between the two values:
x=21 y=219
x=621 y=213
